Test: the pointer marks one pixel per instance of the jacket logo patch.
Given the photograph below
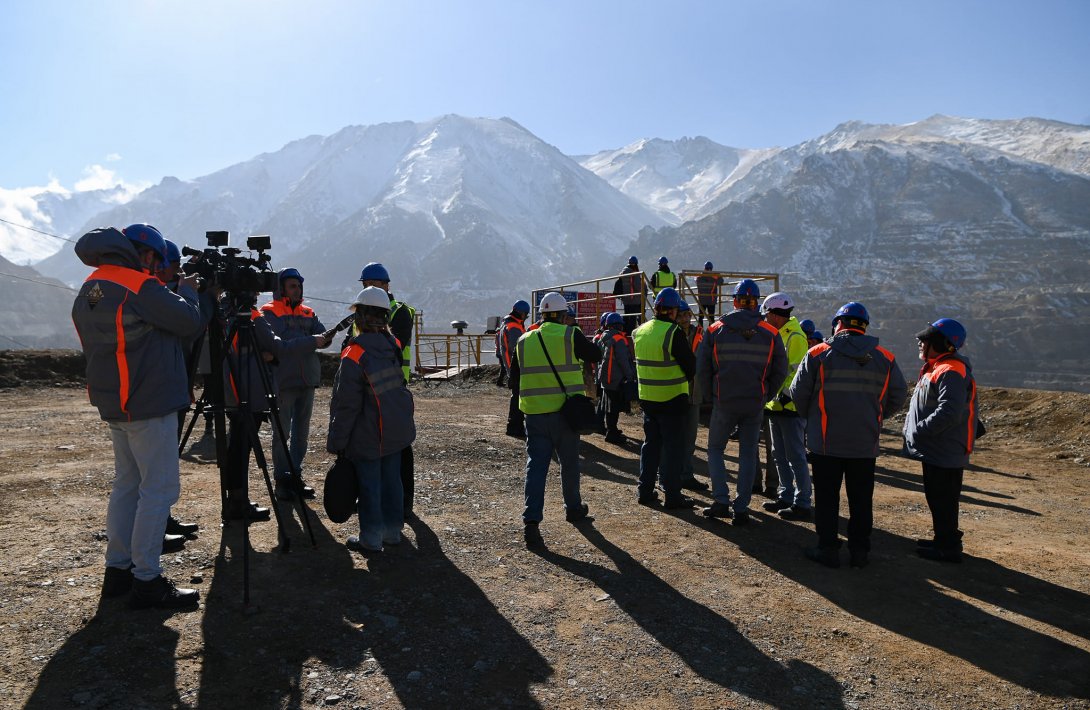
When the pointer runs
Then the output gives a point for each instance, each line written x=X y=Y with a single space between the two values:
x=95 y=295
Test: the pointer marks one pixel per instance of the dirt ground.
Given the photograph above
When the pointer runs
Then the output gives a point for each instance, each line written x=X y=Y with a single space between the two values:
x=641 y=609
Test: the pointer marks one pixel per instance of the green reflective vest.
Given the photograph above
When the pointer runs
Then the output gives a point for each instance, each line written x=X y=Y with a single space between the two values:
x=794 y=342
x=406 y=348
x=660 y=377
x=539 y=392
x=664 y=279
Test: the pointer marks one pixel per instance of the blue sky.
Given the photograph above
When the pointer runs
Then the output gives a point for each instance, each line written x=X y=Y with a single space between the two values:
x=140 y=89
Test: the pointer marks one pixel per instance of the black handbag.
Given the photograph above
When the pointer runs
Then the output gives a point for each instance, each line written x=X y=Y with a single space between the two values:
x=578 y=409
x=340 y=491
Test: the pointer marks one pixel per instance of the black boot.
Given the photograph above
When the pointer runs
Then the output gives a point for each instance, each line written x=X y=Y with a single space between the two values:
x=175 y=527
x=116 y=582
x=160 y=593
x=239 y=508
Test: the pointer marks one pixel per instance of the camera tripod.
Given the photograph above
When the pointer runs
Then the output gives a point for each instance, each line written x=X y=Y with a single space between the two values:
x=241 y=339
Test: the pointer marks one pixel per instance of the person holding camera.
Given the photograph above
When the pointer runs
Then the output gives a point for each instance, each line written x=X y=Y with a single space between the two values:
x=371 y=421
x=131 y=328
x=297 y=373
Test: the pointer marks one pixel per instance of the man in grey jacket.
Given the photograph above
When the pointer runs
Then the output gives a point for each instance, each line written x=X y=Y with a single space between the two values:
x=844 y=389
x=131 y=327
x=298 y=373
x=940 y=430
x=740 y=365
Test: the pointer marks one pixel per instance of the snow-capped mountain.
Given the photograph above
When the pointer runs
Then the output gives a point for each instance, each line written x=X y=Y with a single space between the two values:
x=463 y=211
x=679 y=179
x=918 y=228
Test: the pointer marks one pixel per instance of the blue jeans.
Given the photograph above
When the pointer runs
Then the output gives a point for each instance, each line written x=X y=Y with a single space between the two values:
x=145 y=486
x=380 y=503
x=789 y=451
x=546 y=433
x=749 y=431
x=663 y=447
x=296 y=405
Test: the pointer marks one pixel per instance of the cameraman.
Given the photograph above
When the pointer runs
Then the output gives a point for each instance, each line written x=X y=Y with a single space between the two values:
x=131 y=326
x=245 y=395
x=298 y=373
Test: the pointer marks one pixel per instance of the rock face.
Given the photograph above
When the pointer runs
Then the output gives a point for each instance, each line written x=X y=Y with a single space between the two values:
x=985 y=221
x=463 y=212
x=916 y=230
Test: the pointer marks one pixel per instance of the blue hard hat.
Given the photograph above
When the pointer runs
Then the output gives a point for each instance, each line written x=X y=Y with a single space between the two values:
x=808 y=326
x=614 y=318
x=948 y=328
x=375 y=271
x=816 y=335
x=663 y=260
x=684 y=308
x=174 y=256
x=708 y=266
x=571 y=311
x=147 y=236
x=854 y=313
x=747 y=288
x=668 y=298
x=290 y=273
x=633 y=260
x=521 y=306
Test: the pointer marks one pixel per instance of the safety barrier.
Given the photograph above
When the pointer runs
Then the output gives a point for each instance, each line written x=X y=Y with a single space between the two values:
x=632 y=295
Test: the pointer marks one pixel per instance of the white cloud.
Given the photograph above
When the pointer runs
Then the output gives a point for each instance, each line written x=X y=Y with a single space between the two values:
x=113 y=157
x=96 y=177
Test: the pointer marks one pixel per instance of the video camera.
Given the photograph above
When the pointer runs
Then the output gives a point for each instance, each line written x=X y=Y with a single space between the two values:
x=223 y=266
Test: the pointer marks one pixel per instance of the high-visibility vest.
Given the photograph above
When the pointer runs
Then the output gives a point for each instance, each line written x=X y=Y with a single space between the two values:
x=659 y=374
x=406 y=348
x=794 y=342
x=664 y=279
x=539 y=392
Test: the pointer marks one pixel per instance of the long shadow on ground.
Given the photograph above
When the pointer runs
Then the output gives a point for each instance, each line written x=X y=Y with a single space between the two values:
x=129 y=654
x=918 y=600
x=688 y=629
x=328 y=626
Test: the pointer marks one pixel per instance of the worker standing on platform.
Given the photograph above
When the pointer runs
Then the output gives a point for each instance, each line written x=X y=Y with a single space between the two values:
x=663 y=278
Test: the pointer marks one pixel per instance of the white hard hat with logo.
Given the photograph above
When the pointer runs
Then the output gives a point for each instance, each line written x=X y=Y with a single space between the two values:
x=553 y=302
x=778 y=301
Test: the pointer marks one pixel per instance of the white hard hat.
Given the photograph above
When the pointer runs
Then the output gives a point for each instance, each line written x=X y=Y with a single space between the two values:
x=553 y=302
x=778 y=300
x=371 y=296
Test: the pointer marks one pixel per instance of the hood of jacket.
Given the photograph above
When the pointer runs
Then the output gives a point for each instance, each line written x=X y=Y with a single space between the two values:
x=107 y=246
x=741 y=319
x=857 y=347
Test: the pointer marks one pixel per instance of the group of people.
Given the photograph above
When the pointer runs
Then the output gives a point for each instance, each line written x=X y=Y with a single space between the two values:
x=139 y=317
x=141 y=323
x=824 y=401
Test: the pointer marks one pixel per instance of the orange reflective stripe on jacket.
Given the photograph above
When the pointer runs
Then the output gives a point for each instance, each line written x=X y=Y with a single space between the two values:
x=815 y=351
x=131 y=280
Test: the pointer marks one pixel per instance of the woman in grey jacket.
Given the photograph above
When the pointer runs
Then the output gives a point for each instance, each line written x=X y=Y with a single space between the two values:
x=940 y=429
x=371 y=421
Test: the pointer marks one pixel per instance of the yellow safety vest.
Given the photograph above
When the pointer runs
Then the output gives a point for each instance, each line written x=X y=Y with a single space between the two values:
x=794 y=342
x=406 y=348
x=539 y=392
x=664 y=279
x=660 y=376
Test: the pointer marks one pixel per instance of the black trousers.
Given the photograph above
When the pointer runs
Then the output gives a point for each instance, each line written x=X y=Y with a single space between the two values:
x=633 y=316
x=858 y=478
x=942 y=487
x=408 y=471
x=238 y=449
x=516 y=422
